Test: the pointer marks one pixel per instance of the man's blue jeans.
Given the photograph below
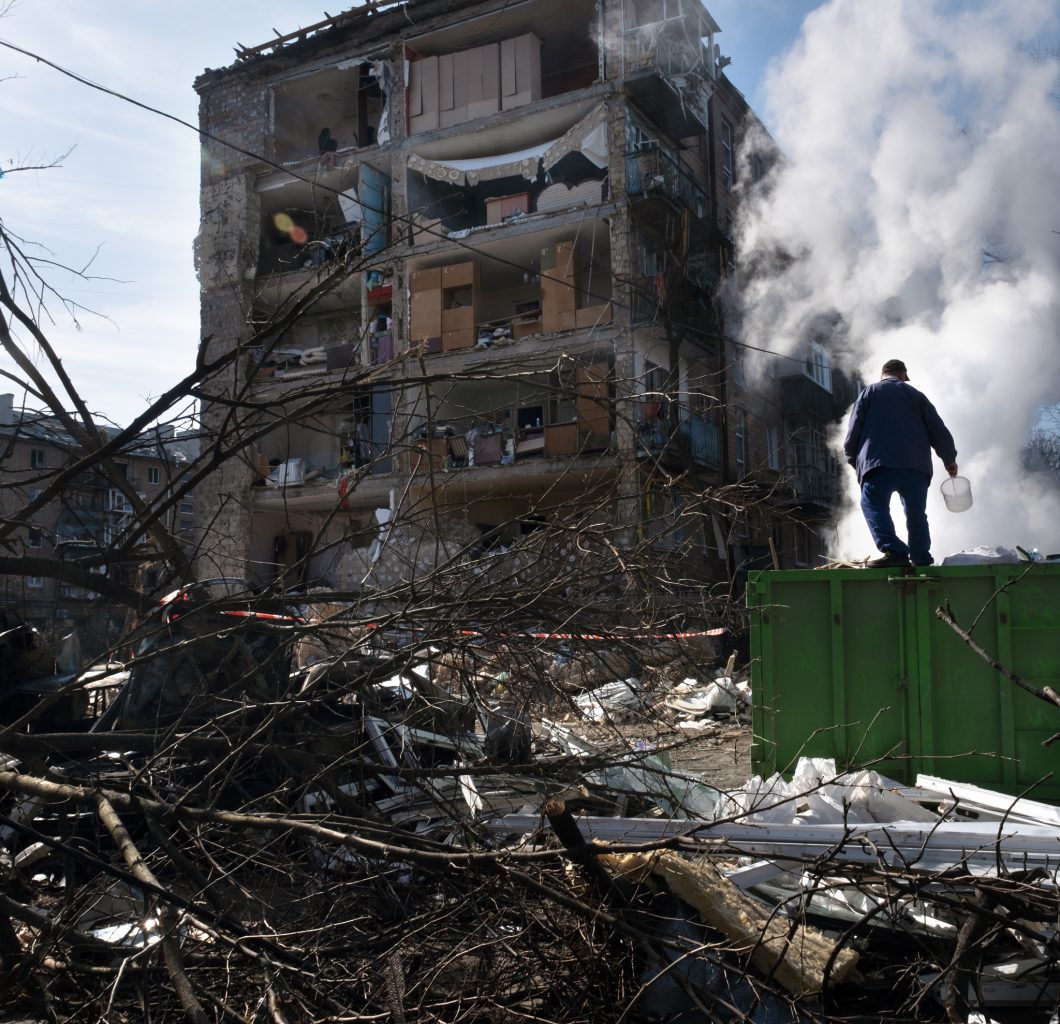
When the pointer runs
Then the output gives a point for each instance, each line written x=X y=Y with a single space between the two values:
x=877 y=486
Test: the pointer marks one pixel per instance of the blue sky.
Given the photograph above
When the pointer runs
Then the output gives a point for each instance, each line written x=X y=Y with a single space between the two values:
x=125 y=200
x=754 y=32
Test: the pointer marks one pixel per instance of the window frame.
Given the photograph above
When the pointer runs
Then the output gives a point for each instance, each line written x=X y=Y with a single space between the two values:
x=740 y=433
x=818 y=366
x=773 y=448
x=728 y=165
x=154 y=475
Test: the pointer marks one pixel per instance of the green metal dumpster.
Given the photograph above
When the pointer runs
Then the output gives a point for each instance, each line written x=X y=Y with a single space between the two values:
x=854 y=664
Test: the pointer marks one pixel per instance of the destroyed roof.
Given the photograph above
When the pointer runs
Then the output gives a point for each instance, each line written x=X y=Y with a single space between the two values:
x=369 y=23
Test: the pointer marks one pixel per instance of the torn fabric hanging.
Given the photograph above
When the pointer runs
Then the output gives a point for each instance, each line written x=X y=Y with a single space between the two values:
x=434 y=169
x=588 y=136
x=522 y=163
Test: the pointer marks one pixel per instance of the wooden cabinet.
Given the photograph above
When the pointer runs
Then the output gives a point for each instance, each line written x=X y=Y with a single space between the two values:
x=430 y=454
x=562 y=439
x=506 y=206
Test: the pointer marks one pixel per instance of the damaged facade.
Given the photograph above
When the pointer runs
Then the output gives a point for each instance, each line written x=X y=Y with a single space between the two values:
x=469 y=256
x=90 y=518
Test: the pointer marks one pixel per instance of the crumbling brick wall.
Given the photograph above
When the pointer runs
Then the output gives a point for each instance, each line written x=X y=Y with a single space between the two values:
x=226 y=254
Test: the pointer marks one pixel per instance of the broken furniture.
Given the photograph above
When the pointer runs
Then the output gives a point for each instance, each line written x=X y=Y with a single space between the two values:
x=501 y=208
x=559 y=268
x=430 y=454
x=531 y=442
x=488 y=447
x=460 y=291
x=562 y=439
x=444 y=311
x=561 y=289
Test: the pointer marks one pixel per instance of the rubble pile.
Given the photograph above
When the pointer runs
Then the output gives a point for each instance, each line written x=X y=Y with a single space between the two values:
x=394 y=830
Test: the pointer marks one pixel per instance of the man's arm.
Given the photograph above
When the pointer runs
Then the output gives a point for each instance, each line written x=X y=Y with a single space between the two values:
x=852 y=444
x=939 y=436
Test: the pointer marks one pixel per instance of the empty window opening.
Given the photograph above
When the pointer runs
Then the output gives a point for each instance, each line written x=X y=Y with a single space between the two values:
x=307 y=224
x=329 y=112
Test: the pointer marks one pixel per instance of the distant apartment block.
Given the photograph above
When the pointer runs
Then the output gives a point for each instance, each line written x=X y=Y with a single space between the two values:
x=88 y=518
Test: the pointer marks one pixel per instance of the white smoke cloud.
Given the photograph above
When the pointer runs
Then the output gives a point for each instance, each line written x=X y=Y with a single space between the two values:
x=920 y=136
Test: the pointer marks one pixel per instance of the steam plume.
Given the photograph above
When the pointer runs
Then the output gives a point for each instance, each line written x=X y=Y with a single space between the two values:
x=918 y=201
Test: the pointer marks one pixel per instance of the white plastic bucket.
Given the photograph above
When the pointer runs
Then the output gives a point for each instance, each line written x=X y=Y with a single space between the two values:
x=957 y=493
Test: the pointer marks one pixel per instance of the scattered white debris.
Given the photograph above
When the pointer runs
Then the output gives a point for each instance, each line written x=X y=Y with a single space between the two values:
x=982 y=555
x=611 y=702
x=816 y=795
x=723 y=696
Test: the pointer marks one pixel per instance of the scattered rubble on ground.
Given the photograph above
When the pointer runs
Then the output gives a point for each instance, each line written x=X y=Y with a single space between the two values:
x=520 y=832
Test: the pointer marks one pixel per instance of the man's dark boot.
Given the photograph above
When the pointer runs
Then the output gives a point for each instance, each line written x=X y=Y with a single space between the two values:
x=888 y=560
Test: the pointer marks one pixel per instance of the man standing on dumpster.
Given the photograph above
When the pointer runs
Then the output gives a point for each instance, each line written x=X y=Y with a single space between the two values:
x=893 y=429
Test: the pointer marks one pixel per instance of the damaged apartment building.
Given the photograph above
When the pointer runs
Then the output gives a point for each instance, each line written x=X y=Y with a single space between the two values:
x=466 y=257
x=90 y=521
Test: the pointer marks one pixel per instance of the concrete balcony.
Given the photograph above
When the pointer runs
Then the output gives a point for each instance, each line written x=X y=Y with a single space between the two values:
x=811 y=487
x=692 y=439
x=667 y=73
x=654 y=175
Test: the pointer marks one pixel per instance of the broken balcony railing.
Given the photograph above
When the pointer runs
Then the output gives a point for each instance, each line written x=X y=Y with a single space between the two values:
x=811 y=484
x=652 y=172
x=676 y=431
x=670 y=66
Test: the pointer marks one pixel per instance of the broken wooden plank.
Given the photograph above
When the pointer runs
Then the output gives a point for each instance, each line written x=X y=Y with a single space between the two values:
x=797 y=955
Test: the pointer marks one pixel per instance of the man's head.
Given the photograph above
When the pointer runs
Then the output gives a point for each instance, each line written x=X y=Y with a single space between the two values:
x=895 y=368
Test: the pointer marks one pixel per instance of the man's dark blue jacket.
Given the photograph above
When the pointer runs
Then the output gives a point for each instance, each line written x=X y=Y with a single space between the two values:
x=895 y=425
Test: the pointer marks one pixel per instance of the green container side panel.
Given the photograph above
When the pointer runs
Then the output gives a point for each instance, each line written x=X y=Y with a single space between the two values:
x=854 y=664
x=970 y=705
x=877 y=697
